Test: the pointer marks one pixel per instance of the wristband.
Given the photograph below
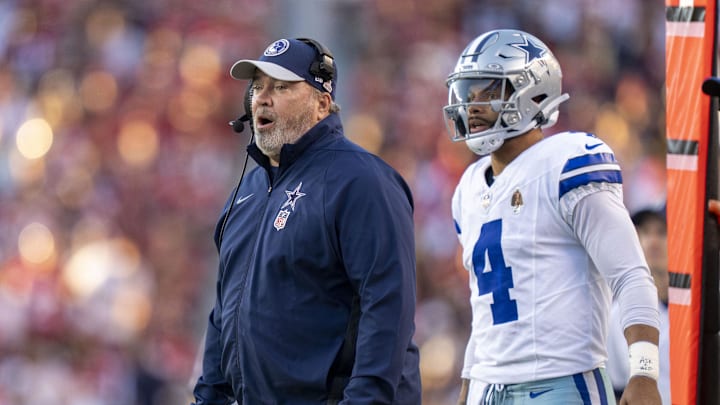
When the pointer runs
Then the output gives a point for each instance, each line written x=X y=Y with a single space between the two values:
x=644 y=359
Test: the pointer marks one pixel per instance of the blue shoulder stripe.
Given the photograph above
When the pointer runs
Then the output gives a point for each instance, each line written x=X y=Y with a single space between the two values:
x=600 y=176
x=457 y=227
x=590 y=168
x=588 y=160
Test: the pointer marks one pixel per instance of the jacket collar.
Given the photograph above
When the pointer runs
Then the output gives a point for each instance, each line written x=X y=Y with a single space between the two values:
x=323 y=132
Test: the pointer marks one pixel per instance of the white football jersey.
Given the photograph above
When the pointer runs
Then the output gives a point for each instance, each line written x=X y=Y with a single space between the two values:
x=539 y=303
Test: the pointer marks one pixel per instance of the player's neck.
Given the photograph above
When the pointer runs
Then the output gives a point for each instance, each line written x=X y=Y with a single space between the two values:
x=512 y=148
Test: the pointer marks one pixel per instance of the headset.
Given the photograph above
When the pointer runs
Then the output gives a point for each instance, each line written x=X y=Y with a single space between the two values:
x=238 y=125
x=323 y=67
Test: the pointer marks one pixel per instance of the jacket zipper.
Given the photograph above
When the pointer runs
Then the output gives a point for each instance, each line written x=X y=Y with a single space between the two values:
x=251 y=262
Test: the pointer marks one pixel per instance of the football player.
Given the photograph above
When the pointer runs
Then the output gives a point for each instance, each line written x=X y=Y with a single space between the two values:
x=545 y=237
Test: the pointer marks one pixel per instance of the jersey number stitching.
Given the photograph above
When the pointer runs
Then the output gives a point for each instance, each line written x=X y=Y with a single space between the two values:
x=498 y=280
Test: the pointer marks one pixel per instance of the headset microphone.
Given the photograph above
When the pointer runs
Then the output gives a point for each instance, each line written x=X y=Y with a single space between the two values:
x=238 y=125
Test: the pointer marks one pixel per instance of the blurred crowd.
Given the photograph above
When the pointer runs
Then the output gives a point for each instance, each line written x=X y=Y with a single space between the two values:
x=116 y=158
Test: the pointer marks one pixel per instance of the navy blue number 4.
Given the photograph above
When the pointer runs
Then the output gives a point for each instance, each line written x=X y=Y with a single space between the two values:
x=498 y=280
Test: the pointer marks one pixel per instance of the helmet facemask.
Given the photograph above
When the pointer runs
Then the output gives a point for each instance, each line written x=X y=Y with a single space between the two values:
x=480 y=111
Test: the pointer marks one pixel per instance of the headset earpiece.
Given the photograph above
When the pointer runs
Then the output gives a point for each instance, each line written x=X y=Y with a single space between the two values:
x=247 y=101
x=238 y=125
x=323 y=66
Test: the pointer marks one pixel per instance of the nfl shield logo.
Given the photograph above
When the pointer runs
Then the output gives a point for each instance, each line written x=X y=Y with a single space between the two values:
x=281 y=219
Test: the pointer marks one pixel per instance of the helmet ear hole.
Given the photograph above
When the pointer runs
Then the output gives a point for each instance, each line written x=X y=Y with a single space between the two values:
x=510 y=118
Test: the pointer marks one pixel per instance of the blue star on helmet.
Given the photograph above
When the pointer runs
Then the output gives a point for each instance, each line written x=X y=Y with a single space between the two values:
x=293 y=196
x=531 y=50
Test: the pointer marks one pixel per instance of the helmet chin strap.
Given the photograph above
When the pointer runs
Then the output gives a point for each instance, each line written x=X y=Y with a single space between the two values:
x=548 y=110
x=556 y=102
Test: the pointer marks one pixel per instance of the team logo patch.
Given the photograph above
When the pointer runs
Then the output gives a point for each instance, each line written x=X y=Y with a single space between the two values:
x=284 y=213
x=277 y=48
x=293 y=196
x=281 y=219
x=516 y=202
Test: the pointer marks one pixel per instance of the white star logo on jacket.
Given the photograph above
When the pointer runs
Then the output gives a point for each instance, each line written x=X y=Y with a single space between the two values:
x=293 y=196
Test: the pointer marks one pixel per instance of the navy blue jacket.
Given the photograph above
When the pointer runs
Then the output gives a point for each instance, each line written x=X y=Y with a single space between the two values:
x=334 y=221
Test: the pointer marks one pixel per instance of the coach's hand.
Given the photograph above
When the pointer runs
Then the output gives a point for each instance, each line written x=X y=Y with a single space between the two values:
x=641 y=390
x=714 y=208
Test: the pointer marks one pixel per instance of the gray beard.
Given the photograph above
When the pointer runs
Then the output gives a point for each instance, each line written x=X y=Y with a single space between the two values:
x=284 y=131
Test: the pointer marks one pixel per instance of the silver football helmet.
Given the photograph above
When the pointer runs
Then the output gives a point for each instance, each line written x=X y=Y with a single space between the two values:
x=511 y=73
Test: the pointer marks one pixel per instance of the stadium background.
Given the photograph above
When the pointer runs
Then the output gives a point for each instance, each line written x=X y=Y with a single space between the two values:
x=115 y=159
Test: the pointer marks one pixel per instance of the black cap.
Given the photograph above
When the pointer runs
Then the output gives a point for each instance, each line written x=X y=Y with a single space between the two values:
x=711 y=86
x=642 y=216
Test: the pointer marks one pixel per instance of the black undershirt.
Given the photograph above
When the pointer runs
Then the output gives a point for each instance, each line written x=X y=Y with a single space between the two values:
x=489 y=178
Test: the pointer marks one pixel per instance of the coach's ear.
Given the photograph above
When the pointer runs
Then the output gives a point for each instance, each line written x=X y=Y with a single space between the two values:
x=324 y=101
